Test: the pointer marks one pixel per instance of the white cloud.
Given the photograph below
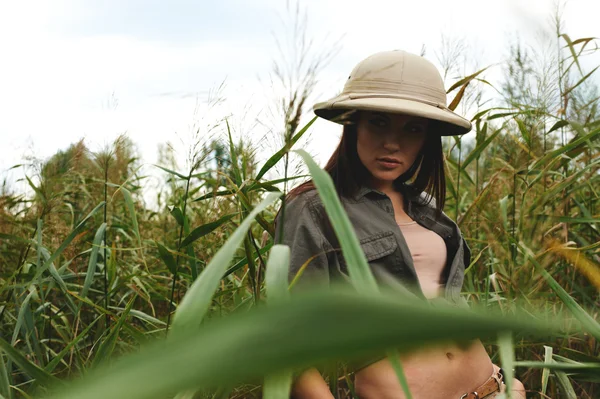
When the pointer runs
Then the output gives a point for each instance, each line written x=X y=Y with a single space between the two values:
x=56 y=85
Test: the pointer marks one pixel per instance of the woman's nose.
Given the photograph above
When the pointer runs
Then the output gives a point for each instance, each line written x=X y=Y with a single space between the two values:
x=392 y=144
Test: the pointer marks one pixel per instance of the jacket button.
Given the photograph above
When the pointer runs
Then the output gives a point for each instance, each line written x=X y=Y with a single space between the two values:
x=449 y=236
x=422 y=217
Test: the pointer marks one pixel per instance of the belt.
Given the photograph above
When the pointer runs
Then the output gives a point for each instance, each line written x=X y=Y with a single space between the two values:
x=492 y=385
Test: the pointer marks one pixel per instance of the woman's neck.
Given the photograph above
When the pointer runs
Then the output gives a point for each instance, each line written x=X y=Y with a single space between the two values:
x=386 y=187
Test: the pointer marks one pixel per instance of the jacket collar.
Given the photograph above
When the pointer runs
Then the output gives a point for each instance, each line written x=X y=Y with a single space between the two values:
x=410 y=194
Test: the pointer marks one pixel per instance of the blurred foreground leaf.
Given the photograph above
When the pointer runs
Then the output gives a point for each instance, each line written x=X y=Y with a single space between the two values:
x=308 y=329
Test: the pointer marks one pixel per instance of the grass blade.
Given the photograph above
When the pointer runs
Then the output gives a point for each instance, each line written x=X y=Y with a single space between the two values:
x=588 y=322
x=196 y=302
x=244 y=261
x=279 y=154
x=172 y=172
x=205 y=229
x=567 y=389
x=310 y=328
x=546 y=371
x=41 y=377
x=58 y=358
x=397 y=365
x=5 y=390
x=479 y=149
x=89 y=276
x=358 y=268
x=66 y=242
x=167 y=258
x=108 y=345
x=278 y=385
x=576 y=142
x=507 y=357
x=276 y=276
x=132 y=214
x=235 y=167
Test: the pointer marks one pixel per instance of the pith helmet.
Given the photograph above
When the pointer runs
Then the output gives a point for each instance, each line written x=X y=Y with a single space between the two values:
x=396 y=82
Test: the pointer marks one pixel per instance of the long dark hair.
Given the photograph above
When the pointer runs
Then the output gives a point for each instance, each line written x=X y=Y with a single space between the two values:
x=426 y=174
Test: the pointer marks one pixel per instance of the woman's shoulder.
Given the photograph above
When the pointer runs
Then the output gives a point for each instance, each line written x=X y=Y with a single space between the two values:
x=309 y=198
x=302 y=207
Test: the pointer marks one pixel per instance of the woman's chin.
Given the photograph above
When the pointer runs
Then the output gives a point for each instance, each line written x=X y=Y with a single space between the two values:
x=385 y=177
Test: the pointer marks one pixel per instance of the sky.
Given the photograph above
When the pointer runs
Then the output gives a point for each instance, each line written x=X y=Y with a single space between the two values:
x=96 y=69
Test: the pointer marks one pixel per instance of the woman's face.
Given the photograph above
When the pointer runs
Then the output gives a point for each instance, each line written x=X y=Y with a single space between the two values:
x=388 y=144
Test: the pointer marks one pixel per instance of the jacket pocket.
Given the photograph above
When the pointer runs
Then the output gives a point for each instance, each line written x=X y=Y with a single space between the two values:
x=379 y=245
x=377 y=249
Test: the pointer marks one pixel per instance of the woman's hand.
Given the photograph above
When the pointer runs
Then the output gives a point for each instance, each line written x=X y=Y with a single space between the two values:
x=518 y=389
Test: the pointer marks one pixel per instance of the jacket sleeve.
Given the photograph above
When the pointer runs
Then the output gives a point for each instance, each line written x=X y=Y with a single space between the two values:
x=302 y=231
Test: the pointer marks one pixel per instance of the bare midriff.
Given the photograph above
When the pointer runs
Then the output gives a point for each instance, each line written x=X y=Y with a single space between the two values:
x=446 y=371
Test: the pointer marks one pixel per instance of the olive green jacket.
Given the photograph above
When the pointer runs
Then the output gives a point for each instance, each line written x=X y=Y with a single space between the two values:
x=310 y=236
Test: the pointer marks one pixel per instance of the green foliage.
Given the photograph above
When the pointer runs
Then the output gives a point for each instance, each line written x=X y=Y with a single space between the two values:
x=82 y=291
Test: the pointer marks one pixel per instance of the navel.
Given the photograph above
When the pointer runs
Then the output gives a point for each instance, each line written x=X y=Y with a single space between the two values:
x=449 y=355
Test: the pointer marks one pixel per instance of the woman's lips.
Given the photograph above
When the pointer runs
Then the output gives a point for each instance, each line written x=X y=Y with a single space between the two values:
x=389 y=163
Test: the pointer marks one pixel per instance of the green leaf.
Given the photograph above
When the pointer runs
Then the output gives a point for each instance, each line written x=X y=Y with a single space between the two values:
x=67 y=349
x=29 y=368
x=4 y=381
x=568 y=365
x=196 y=302
x=23 y=309
x=132 y=214
x=360 y=273
x=567 y=389
x=278 y=385
x=66 y=243
x=464 y=81
x=479 y=149
x=205 y=229
x=558 y=125
x=576 y=142
x=37 y=190
x=214 y=195
x=456 y=100
x=91 y=270
x=358 y=268
x=172 y=172
x=177 y=214
x=572 y=49
x=583 y=79
x=234 y=157
x=507 y=357
x=106 y=348
x=279 y=154
x=587 y=321
x=271 y=183
x=167 y=258
x=310 y=328
x=546 y=372
x=244 y=261
x=276 y=278
x=399 y=370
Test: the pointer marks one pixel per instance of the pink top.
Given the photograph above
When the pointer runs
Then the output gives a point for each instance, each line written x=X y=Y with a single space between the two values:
x=428 y=251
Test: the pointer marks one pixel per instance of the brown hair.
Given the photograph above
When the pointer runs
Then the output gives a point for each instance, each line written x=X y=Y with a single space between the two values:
x=427 y=172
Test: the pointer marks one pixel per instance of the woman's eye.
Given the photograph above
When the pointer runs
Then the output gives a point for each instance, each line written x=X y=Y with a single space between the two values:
x=415 y=128
x=378 y=122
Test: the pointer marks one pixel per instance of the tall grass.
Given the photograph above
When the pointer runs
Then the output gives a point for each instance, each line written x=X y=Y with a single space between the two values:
x=91 y=276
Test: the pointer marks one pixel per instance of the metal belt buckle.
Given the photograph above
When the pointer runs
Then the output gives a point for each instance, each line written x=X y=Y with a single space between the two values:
x=467 y=394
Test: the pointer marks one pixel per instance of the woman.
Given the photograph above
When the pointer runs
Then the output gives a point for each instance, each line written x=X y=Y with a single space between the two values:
x=389 y=173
